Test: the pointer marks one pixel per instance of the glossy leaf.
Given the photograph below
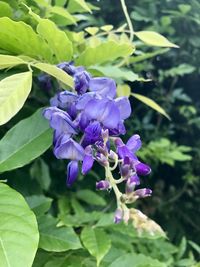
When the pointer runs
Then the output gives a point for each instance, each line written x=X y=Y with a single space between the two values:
x=54 y=71
x=96 y=242
x=14 y=91
x=26 y=141
x=18 y=230
x=104 y=52
x=15 y=38
x=154 y=38
x=57 y=239
x=151 y=103
x=9 y=61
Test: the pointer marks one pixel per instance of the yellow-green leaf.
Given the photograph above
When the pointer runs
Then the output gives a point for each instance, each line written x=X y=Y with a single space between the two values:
x=92 y=30
x=154 y=38
x=5 y=10
x=62 y=12
x=107 y=28
x=123 y=90
x=14 y=91
x=55 y=72
x=151 y=103
x=9 y=61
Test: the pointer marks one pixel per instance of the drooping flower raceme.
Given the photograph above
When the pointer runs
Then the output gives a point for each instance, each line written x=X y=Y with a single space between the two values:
x=87 y=123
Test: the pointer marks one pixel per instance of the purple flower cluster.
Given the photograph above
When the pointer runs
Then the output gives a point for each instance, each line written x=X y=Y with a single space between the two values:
x=85 y=122
x=88 y=113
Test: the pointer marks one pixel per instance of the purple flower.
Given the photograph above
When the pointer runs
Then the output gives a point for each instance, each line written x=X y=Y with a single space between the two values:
x=68 y=149
x=131 y=183
x=45 y=82
x=87 y=160
x=118 y=216
x=105 y=87
x=72 y=172
x=92 y=133
x=142 y=193
x=81 y=80
x=102 y=185
x=142 y=169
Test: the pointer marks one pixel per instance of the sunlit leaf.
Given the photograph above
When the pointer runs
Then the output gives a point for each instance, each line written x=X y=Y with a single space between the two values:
x=151 y=103
x=5 y=10
x=14 y=91
x=92 y=30
x=10 y=61
x=154 y=38
x=123 y=90
x=18 y=230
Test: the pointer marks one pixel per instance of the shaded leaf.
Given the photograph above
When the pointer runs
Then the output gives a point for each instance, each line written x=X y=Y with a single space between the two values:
x=14 y=91
x=5 y=10
x=90 y=197
x=57 y=239
x=39 y=204
x=26 y=141
x=96 y=242
x=18 y=230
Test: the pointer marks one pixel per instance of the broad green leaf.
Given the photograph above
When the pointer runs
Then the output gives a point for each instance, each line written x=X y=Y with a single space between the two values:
x=57 y=239
x=9 y=61
x=18 y=230
x=123 y=90
x=96 y=242
x=57 y=40
x=74 y=4
x=19 y=38
x=63 y=12
x=151 y=103
x=104 y=52
x=136 y=260
x=39 y=204
x=14 y=91
x=92 y=30
x=116 y=73
x=55 y=72
x=154 y=38
x=26 y=141
x=90 y=197
x=5 y=10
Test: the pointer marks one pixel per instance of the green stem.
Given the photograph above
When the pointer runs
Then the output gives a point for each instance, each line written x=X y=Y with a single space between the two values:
x=130 y=25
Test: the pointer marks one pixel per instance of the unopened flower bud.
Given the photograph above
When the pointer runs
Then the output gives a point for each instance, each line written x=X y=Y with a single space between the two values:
x=142 y=169
x=142 y=193
x=131 y=183
x=119 y=142
x=105 y=135
x=118 y=216
x=102 y=185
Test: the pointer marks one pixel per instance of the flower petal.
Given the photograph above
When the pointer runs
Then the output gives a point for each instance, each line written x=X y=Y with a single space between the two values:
x=124 y=107
x=72 y=172
x=134 y=143
x=105 y=87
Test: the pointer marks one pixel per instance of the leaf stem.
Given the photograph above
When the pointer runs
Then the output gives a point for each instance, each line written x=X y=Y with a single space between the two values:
x=130 y=25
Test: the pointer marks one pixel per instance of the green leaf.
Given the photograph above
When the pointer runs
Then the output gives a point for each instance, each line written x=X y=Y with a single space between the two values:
x=39 y=204
x=14 y=91
x=57 y=40
x=116 y=73
x=15 y=37
x=55 y=72
x=151 y=103
x=104 y=52
x=90 y=197
x=64 y=13
x=181 y=70
x=96 y=242
x=154 y=38
x=26 y=141
x=73 y=4
x=92 y=30
x=18 y=230
x=57 y=239
x=139 y=260
x=5 y=10
x=107 y=28
x=123 y=90
x=9 y=61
